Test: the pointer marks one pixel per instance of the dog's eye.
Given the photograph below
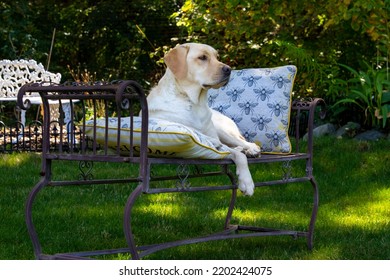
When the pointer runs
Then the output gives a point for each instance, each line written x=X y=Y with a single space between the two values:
x=203 y=57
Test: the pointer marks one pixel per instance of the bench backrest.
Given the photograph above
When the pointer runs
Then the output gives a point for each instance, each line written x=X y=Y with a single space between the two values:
x=16 y=73
x=96 y=119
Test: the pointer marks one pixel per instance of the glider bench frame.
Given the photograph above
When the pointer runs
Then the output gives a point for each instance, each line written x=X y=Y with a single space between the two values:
x=126 y=98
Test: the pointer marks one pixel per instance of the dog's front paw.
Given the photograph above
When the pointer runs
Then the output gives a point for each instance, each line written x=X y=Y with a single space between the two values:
x=247 y=187
x=253 y=150
x=245 y=182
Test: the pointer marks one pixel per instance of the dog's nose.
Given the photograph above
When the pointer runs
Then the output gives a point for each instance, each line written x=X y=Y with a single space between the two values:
x=226 y=70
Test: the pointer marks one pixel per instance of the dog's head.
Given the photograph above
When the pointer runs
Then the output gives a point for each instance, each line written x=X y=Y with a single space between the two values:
x=197 y=65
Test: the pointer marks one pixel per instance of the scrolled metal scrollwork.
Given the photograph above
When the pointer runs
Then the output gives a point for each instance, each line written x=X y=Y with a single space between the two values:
x=198 y=170
x=125 y=104
x=26 y=104
x=183 y=171
x=85 y=167
x=309 y=171
x=287 y=170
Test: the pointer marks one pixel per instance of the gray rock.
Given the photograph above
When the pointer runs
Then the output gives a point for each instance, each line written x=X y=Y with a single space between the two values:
x=325 y=129
x=349 y=130
x=370 y=135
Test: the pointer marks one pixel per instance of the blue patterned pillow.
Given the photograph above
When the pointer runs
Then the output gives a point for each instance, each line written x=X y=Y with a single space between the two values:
x=258 y=100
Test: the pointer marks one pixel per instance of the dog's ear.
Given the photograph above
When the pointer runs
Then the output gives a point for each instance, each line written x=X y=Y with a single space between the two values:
x=176 y=60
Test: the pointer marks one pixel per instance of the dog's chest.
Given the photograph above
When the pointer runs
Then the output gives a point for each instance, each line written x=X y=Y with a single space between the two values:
x=193 y=115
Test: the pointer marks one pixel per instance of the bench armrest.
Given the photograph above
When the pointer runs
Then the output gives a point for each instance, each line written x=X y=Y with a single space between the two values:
x=303 y=113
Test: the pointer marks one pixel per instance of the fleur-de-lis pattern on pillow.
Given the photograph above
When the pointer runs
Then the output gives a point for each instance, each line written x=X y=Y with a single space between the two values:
x=258 y=100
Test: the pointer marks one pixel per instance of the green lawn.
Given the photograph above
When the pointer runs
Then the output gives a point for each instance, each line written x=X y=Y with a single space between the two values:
x=353 y=220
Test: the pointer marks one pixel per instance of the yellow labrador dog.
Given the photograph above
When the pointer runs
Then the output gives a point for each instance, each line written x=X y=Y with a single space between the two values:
x=181 y=96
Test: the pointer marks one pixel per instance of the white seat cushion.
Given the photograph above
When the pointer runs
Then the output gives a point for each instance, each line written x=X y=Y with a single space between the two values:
x=165 y=139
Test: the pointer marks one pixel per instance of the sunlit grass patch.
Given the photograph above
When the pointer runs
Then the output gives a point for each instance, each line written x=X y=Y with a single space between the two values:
x=370 y=213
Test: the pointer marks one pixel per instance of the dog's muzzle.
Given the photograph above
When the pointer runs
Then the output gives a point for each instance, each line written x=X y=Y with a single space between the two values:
x=226 y=71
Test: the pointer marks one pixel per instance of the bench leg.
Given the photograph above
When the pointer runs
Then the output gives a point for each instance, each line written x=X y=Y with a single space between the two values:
x=310 y=238
x=127 y=222
x=231 y=208
x=29 y=219
x=233 y=198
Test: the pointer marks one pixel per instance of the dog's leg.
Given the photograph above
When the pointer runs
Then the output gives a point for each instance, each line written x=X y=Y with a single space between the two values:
x=233 y=138
x=230 y=135
x=245 y=181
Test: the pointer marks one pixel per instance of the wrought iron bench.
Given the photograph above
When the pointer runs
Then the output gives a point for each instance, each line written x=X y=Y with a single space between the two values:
x=16 y=73
x=129 y=146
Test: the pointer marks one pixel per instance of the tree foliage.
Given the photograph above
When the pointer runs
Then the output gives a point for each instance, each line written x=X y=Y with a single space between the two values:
x=123 y=39
x=112 y=38
x=314 y=35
